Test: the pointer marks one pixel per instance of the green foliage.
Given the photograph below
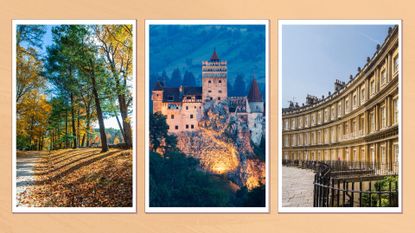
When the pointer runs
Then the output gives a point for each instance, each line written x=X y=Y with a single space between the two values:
x=389 y=183
x=253 y=198
x=175 y=181
x=158 y=130
x=260 y=150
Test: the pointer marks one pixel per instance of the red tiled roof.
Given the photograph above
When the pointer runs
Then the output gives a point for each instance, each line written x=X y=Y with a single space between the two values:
x=254 y=94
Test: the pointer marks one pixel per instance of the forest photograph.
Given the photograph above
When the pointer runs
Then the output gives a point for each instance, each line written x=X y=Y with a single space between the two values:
x=73 y=115
x=207 y=116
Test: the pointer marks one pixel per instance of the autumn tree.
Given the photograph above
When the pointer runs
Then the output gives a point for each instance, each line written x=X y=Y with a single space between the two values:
x=117 y=47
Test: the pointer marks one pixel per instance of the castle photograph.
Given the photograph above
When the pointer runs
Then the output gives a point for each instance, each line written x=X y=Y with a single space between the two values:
x=207 y=124
x=340 y=130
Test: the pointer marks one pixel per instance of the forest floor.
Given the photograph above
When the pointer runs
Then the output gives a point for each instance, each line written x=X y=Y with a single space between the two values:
x=75 y=178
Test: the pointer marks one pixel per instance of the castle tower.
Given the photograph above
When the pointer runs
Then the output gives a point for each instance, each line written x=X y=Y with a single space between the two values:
x=254 y=98
x=157 y=97
x=214 y=79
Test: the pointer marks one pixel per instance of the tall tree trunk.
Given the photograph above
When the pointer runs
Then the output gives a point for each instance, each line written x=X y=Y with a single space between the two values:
x=88 y=122
x=104 y=143
x=83 y=140
x=66 y=128
x=120 y=126
x=73 y=121
x=78 y=130
x=125 y=121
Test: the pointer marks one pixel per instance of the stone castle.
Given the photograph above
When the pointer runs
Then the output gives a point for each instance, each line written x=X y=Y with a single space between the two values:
x=183 y=106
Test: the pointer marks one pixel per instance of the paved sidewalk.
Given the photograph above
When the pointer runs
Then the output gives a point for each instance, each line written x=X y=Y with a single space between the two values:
x=297 y=187
x=24 y=174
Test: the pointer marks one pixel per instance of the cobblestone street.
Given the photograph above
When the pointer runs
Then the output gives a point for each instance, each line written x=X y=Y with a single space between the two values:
x=297 y=187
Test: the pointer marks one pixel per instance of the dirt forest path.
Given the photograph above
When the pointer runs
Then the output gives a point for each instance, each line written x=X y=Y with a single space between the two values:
x=83 y=177
x=25 y=163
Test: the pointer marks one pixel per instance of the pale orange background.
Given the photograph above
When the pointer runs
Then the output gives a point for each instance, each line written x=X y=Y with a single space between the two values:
x=208 y=9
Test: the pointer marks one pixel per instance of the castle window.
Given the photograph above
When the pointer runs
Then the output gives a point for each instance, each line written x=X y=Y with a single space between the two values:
x=211 y=98
x=176 y=127
x=172 y=116
x=220 y=81
x=157 y=95
x=187 y=107
x=209 y=91
x=220 y=91
x=218 y=98
x=192 y=126
x=187 y=126
x=191 y=116
x=209 y=81
x=372 y=87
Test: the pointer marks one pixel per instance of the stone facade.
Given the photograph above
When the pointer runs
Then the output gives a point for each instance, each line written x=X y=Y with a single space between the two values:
x=357 y=123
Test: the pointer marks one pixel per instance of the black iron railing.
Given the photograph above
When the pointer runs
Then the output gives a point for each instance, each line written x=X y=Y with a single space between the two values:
x=351 y=184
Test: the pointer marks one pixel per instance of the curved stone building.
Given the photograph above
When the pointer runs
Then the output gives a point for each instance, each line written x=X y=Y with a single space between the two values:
x=357 y=123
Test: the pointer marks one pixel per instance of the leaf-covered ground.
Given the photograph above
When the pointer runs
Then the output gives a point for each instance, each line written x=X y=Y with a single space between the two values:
x=79 y=178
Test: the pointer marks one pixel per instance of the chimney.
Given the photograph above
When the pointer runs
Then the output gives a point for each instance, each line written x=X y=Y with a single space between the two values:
x=310 y=99
x=338 y=85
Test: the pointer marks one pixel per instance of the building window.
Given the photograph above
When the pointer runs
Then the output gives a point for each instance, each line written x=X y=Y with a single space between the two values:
x=211 y=98
x=372 y=122
x=293 y=124
x=192 y=126
x=170 y=98
x=326 y=115
x=220 y=81
x=355 y=100
x=333 y=113
x=383 y=77
x=218 y=98
x=187 y=126
x=383 y=116
x=306 y=121
x=191 y=116
x=396 y=63
x=362 y=123
x=286 y=125
x=172 y=116
x=319 y=117
x=209 y=91
x=187 y=107
x=220 y=91
x=395 y=111
x=346 y=105
x=176 y=127
x=362 y=94
x=209 y=81
x=339 y=109
x=372 y=87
